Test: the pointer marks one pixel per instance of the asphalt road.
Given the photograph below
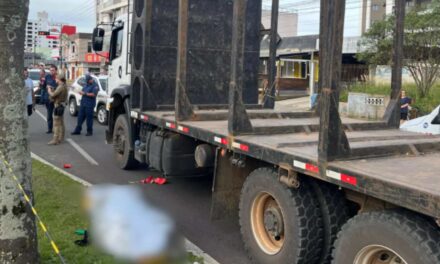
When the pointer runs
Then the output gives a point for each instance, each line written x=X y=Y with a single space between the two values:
x=187 y=200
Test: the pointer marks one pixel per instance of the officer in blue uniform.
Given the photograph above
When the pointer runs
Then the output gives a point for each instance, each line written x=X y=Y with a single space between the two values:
x=88 y=102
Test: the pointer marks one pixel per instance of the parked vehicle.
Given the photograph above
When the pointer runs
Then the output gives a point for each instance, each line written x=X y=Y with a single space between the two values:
x=101 y=100
x=34 y=74
x=186 y=104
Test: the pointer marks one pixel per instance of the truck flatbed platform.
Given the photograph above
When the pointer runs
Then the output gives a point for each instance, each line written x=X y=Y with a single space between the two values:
x=388 y=164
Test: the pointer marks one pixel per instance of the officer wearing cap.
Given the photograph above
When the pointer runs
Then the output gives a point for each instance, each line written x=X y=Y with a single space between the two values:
x=88 y=103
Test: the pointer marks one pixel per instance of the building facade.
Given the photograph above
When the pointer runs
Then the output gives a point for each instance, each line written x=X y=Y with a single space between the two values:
x=79 y=57
x=409 y=4
x=42 y=44
x=376 y=10
x=108 y=10
x=371 y=12
x=287 y=22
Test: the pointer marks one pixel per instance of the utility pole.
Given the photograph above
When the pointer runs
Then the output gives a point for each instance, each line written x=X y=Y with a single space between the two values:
x=61 y=47
x=18 y=233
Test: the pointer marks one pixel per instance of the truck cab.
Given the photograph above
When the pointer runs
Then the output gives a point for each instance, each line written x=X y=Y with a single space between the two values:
x=119 y=76
x=119 y=61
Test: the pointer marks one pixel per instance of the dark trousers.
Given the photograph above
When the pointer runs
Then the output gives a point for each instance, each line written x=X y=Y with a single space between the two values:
x=85 y=113
x=30 y=109
x=49 y=107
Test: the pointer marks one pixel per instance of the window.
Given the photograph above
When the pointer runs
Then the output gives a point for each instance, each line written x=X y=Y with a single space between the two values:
x=295 y=69
x=103 y=83
x=119 y=43
x=34 y=75
x=116 y=44
x=375 y=7
x=89 y=47
x=263 y=66
x=73 y=49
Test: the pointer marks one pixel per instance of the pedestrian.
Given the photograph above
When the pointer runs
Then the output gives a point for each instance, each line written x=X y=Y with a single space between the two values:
x=49 y=82
x=59 y=97
x=42 y=82
x=30 y=96
x=405 y=103
x=88 y=102
x=41 y=65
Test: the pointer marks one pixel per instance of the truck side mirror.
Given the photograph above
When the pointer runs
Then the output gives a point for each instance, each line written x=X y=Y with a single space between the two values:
x=98 y=39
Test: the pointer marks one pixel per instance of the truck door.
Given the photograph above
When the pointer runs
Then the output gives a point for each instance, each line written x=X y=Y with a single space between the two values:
x=117 y=71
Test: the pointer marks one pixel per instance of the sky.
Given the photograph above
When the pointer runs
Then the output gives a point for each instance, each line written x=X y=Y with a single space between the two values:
x=82 y=13
x=308 y=15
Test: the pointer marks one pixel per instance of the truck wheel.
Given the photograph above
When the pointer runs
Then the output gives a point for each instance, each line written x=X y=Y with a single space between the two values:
x=121 y=144
x=334 y=212
x=388 y=237
x=279 y=224
x=101 y=115
x=73 y=108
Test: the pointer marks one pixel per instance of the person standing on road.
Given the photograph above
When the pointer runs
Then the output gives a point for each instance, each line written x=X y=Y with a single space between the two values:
x=404 y=106
x=49 y=82
x=30 y=96
x=59 y=97
x=88 y=102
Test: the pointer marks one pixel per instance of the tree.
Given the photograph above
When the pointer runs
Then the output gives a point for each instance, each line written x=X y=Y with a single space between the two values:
x=421 y=45
x=18 y=242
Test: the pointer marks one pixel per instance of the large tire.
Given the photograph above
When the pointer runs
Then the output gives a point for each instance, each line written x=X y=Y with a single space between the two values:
x=121 y=144
x=101 y=115
x=265 y=199
x=387 y=236
x=73 y=107
x=334 y=212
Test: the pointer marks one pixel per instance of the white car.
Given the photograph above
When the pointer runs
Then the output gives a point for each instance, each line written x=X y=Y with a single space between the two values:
x=428 y=124
x=101 y=99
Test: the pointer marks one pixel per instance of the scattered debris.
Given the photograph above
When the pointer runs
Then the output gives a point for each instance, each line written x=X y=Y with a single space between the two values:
x=160 y=181
x=152 y=180
x=85 y=240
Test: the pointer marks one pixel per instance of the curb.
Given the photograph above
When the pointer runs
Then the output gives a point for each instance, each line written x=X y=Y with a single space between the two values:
x=190 y=247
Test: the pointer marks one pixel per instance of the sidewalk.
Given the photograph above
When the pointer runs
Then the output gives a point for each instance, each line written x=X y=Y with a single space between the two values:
x=297 y=104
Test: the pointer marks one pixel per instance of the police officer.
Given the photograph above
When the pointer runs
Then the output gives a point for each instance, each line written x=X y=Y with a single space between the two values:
x=88 y=102
x=59 y=97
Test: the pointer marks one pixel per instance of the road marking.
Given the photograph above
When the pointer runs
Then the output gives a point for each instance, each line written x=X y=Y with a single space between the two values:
x=71 y=176
x=40 y=114
x=82 y=152
x=189 y=246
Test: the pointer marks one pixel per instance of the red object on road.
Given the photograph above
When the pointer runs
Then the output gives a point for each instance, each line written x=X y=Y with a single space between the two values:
x=147 y=180
x=160 y=181
x=67 y=166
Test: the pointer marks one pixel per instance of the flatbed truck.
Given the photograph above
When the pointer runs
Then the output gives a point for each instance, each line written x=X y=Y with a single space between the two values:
x=306 y=187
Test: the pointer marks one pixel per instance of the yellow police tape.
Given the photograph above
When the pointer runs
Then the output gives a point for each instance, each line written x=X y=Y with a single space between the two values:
x=28 y=201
